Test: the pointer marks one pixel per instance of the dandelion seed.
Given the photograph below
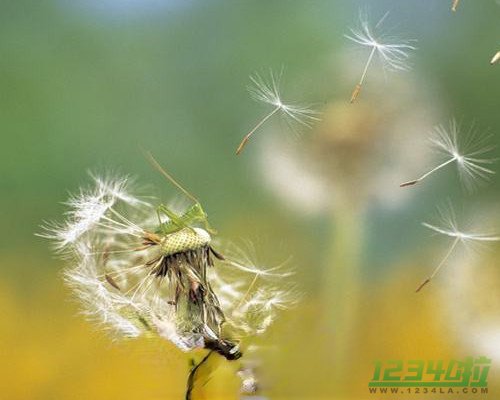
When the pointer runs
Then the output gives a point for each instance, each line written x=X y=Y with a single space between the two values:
x=495 y=58
x=269 y=92
x=454 y=5
x=393 y=53
x=448 y=227
x=466 y=153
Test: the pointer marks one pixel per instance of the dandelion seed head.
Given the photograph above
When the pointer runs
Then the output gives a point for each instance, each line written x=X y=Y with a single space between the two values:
x=119 y=271
x=110 y=268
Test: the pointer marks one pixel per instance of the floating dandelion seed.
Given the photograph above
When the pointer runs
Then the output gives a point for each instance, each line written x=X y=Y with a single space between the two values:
x=454 y=5
x=449 y=227
x=269 y=92
x=495 y=58
x=142 y=270
x=393 y=52
x=465 y=153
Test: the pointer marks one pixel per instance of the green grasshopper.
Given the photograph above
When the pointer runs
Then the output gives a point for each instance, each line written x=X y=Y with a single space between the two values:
x=185 y=253
x=194 y=214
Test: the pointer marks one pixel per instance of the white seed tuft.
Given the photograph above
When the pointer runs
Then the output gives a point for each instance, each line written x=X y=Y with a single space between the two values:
x=268 y=92
x=393 y=53
x=466 y=152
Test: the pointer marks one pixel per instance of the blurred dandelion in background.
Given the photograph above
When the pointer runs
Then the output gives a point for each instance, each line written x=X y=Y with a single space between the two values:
x=351 y=156
x=393 y=53
x=138 y=270
x=466 y=152
x=454 y=5
x=342 y=172
x=269 y=92
x=448 y=226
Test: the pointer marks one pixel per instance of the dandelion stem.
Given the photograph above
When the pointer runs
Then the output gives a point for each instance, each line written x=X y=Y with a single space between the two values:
x=192 y=376
x=411 y=183
x=342 y=281
x=454 y=6
x=249 y=134
x=441 y=264
x=357 y=89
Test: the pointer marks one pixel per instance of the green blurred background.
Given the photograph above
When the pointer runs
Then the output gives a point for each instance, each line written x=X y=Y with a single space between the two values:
x=86 y=84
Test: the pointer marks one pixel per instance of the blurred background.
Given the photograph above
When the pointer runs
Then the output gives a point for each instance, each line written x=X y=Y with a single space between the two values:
x=86 y=84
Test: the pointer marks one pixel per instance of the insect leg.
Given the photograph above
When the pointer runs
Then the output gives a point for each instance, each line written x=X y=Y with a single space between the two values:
x=174 y=219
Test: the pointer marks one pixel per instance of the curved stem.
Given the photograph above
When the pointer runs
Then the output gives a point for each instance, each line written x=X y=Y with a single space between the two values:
x=192 y=375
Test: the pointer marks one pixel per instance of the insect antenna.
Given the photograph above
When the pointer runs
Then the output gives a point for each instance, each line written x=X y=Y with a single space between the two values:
x=169 y=177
